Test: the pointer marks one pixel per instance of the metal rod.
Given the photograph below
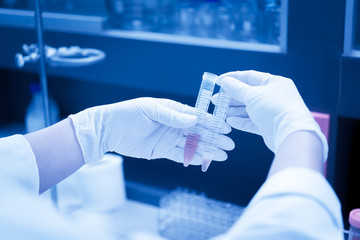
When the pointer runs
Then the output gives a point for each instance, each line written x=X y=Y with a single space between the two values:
x=43 y=78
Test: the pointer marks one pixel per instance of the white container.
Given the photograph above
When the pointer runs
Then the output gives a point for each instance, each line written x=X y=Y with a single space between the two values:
x=96 y=187
x=34 y=119
x=102 y=184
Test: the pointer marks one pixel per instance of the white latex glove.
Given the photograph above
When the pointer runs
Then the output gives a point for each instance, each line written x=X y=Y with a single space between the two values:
x=143 y=128
x=268 y=105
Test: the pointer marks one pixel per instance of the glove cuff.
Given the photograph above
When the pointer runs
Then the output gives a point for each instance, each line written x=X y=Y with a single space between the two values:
x=307 y=125
x=88 y=132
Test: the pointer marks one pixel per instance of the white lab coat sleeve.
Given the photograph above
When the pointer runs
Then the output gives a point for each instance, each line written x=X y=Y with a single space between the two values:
x=25 y=215
x=18 y=165
x=295 y=203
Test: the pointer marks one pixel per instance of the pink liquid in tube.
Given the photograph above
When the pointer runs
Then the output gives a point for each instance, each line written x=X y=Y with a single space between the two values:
x=190 y=148
x=201 y=108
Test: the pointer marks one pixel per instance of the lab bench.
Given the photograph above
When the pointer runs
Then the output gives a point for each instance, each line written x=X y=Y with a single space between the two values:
x=135 y=219
x=161 y=65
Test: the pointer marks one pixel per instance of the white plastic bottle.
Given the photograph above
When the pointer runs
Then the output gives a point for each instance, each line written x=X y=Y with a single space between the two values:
x=34 y=119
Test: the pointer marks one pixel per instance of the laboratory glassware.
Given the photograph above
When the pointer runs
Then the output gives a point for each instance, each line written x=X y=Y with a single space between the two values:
x=354 y=220
x=73 y=56
x=246 y=20
x=187 y=215
x=45 y=54
x=34 y=118
x=201 y=108
x=212 y=138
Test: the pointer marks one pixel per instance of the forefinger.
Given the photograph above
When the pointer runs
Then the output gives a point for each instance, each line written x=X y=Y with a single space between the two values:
x=233 y=102
x=251 y=77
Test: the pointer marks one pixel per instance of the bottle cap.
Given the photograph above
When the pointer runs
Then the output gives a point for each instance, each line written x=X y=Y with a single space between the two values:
x=354 y=217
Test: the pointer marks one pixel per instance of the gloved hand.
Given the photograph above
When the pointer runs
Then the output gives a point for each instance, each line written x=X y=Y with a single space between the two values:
x=143 y=128
x=268 y=105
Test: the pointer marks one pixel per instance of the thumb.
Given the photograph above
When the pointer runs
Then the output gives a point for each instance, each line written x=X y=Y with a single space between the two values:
x=236 y=89
x=172 y=118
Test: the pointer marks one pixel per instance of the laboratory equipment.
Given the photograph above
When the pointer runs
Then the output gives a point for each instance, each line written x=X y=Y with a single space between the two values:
x=185 y=12
x=354 y=220
x=212 y=138
x=43 y=78
x=73 y=56
x=205 y=19
x=34 y=119
x=95 y=187
x=186 y=215
x=246 y=20
x=201 y=108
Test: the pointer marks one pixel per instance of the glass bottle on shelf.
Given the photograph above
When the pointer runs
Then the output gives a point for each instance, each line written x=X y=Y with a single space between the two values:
x=139 y=15
x=268 y=22
x=115 y=9
x=225 y=23
x=205 y=18
x=185 y=13
x=166 y=16
x=243 y=20
x=248 y=12
x=34 y=119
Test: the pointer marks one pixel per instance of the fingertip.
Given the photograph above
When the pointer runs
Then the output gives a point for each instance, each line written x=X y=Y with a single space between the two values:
x=237 y=90
x=228 y=84
x=189 y=120
x=235 y=122
x=226 y=143
x=215 y=98
x=220 y=79
x=221 y=155
x=232 y=145
x=225 y=129
x=227 y=74
x=243 y=124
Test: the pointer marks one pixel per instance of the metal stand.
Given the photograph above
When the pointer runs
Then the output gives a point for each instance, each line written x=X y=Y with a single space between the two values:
x=73 y=56
x=43 y=79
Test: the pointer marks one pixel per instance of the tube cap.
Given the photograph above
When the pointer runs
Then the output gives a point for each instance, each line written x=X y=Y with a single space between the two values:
x=354 y=217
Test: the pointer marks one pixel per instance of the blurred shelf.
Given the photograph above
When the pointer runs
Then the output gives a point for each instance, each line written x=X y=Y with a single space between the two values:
x=95 y=25
x=52 y=21
x=195 y=41
x=352 y=53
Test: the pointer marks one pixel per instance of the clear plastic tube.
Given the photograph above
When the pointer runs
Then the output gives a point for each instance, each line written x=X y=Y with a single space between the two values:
x=212 y=138
x=201 y=108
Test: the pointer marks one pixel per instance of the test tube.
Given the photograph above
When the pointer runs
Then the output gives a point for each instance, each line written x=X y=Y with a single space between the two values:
x=354 y=220
x=212 y=138
x=201 y=108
